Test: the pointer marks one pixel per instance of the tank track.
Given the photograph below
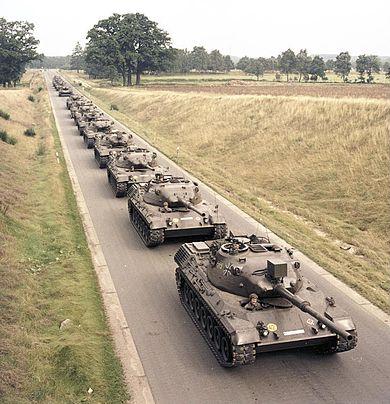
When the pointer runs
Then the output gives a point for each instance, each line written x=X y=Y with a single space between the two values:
x=151 y=237
x=101 y=161
x=89 y=142
x=234 y=355
x=341 y=345
x=220 y=231
x=120 y=189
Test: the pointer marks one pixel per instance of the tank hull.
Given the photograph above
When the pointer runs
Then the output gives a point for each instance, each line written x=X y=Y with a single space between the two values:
x=220 y=316
x=145 y=226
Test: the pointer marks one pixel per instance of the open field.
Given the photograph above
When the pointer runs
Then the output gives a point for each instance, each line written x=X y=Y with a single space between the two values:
x=46 y=274
x=313 y=170
x=284 y=89
x=205 y=78
x=238 y=84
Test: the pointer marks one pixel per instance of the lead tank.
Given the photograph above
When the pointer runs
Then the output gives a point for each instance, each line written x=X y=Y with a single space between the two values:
x=134 y=165
x=108 y=143
x=172 y=207
x=247 y=296
x=98 y=126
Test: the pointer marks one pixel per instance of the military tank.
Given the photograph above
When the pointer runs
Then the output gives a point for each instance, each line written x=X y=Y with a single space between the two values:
x=89 y=117
x=99 y=125
x=64 y=91
x=57 y=82
x=105 y=143
x=72 y=99
x=134 y=165
x=82 y=111
x=247 y=296
x=77 y=105
x=172 y=207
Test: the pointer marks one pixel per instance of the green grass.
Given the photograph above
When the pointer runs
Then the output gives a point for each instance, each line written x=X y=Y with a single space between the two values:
x=47 y=275
x=302 y=166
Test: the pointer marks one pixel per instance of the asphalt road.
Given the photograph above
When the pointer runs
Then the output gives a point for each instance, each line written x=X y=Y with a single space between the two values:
x=177 y=361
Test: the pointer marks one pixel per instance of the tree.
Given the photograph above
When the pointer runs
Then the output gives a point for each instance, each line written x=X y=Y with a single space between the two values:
x=271 y=63
x=243 y=63
x=330 y=64
x=367 y=65
x=199 y=58
x=303 y=62
x=18 y=47
x=385 y=66
x=131 y=43
x=216 y=61
x=228 y=63
x=317 y=68
x=77 y=58
x=287 y=62
x=342 y=65
x=180 y=61
x=256 y=67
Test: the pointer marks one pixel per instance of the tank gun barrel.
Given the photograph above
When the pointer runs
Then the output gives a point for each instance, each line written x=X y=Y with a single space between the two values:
x=190 y=206
x=305 y=306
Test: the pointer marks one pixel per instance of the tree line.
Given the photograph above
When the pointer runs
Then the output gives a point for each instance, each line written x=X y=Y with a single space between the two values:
x=311 y=68
x=18 y=47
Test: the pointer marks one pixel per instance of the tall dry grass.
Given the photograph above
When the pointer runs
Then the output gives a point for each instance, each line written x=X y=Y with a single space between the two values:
x=314 y=170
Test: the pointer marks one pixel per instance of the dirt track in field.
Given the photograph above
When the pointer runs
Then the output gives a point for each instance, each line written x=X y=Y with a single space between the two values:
x=378 y=91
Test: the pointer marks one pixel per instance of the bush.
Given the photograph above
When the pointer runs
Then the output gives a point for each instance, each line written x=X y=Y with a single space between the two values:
x=40 y=88
x=31 y=98
x=4 y=115
x=114 y=107
x=41 y=150
x=30 y=132
x=5 y=137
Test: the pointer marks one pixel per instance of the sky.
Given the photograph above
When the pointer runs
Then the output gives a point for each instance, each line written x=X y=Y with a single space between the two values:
x=239 y=28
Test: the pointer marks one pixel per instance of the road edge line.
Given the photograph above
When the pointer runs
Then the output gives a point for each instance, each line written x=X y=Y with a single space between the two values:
x=135 y=376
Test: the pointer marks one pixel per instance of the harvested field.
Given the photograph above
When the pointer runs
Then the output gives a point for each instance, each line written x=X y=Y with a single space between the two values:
x=282 y=89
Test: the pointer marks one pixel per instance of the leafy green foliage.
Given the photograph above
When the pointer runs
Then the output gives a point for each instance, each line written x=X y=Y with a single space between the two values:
x=31 y=98
x=77 y=58
x=367 y=65
x=4 y=115
x=287 y=62
x=17 y=48
x=317 y=68
x=126 y=44
x=342 y=65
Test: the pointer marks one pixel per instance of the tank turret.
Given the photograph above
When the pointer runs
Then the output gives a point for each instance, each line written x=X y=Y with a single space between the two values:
x=165 y=208
x=100 y=124
x=105 y=144
x=247 y=296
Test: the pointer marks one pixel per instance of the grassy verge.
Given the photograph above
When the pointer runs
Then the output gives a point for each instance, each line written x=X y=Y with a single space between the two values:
x=315 y=171
x=46 y=274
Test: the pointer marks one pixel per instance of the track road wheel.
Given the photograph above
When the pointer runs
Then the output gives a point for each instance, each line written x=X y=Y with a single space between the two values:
x=154 y=237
